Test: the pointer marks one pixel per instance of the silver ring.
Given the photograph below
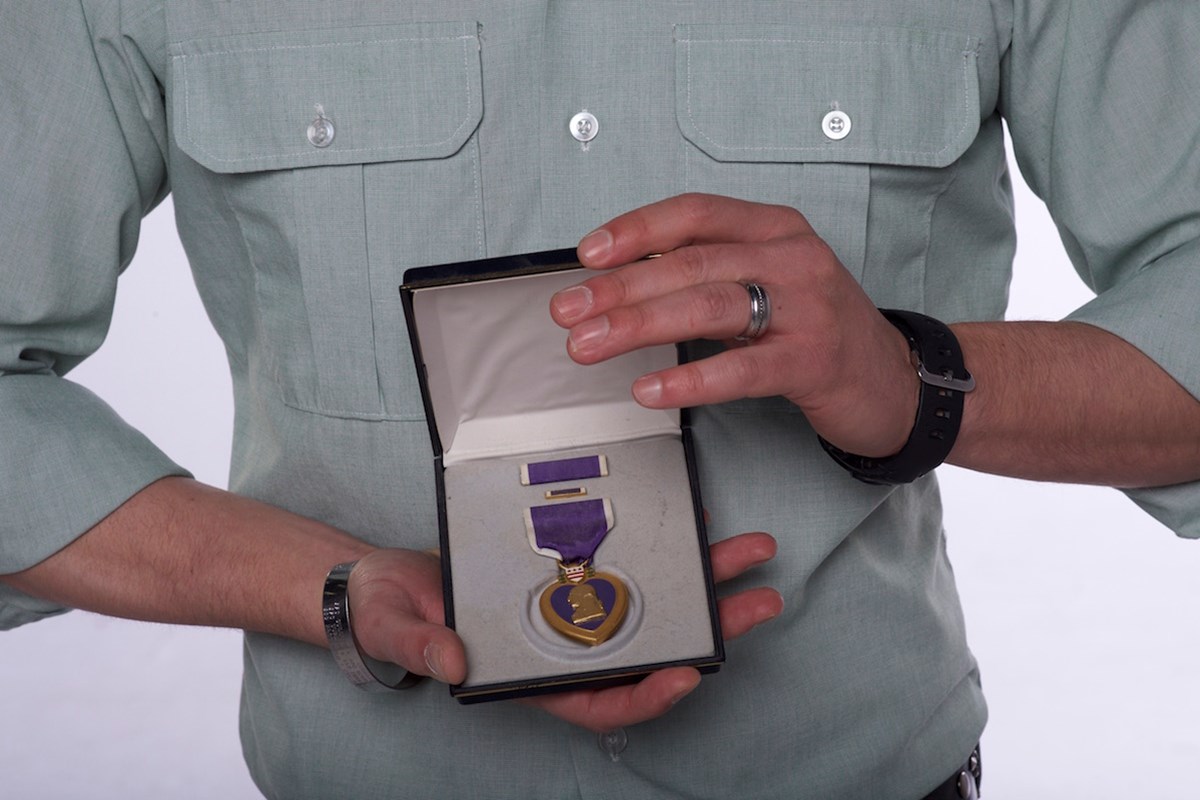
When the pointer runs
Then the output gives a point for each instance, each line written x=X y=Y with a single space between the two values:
x=760 y=313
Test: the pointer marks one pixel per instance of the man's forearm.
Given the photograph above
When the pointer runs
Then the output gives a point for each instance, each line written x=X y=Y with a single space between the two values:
x=1069 y=402
x=179 y=551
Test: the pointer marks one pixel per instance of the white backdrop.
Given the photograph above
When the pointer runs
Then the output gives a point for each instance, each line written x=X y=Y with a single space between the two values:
x=1079 y=607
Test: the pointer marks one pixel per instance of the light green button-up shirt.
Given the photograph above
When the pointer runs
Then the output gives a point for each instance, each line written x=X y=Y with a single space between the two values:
x=450 y=142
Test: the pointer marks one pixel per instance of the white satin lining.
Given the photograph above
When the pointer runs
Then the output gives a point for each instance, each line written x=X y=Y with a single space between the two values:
x=501 y=382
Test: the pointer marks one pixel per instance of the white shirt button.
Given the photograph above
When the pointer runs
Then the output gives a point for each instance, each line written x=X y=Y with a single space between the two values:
x=584 y=126
x=321 y=131
x=836 y=125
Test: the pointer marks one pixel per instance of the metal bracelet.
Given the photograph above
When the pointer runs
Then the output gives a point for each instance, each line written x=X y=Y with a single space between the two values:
x=363 y=671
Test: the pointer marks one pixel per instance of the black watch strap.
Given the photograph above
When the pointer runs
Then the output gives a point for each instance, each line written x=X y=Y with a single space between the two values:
x=944 y=381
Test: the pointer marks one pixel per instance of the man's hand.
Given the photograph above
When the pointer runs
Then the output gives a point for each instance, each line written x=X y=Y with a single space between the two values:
x=396 y=605
x=396 y=598
x=827 y=349
x=1052 y=399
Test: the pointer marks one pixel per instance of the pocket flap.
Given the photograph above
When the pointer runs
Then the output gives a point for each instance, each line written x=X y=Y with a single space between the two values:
x=391 y=93
x=762 y=93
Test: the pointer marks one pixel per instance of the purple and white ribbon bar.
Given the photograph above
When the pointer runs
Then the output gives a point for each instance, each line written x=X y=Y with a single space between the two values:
x=569 y=532
x=565 y=469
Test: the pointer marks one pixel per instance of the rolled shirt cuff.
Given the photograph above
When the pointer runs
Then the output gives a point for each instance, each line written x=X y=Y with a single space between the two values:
x=1155 y=310
x=67 y=461
x=18 y=608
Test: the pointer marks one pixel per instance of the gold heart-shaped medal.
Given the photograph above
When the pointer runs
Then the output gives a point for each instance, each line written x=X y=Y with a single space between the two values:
x=587 y=607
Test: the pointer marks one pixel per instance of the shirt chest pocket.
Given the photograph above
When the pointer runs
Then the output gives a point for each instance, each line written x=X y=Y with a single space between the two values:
x=812 y=116
x=339 y=158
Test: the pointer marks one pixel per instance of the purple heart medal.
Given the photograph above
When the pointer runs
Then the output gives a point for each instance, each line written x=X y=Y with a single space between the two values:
x=581 y=604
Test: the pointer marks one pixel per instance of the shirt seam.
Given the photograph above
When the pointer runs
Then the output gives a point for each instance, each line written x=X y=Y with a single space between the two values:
x=360 y=42
x=146 y=207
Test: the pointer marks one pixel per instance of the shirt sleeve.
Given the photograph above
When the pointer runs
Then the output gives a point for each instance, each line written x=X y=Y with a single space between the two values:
x=82 y=159
x=1101 y=100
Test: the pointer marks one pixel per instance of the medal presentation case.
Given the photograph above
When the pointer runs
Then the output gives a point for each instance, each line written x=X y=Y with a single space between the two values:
x=572 y=536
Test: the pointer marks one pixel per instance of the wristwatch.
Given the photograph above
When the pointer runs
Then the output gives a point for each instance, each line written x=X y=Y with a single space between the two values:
x=938 y=359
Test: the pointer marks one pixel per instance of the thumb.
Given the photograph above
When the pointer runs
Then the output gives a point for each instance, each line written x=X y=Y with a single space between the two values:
x=425 y=648
x=397 y=615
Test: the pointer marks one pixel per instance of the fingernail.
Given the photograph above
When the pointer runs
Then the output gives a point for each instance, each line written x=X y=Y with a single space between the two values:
x=596 y=245
x=777 y=611
x=573 y=302
x=589 y=334
x=682 y=695
x=648 y=390
x=433 y=660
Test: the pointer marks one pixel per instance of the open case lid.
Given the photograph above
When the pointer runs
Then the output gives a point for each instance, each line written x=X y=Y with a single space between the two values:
x=497 y=379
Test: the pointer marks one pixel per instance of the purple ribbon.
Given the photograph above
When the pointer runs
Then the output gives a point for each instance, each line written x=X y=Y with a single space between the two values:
x=575 y=530
x=566 y=469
